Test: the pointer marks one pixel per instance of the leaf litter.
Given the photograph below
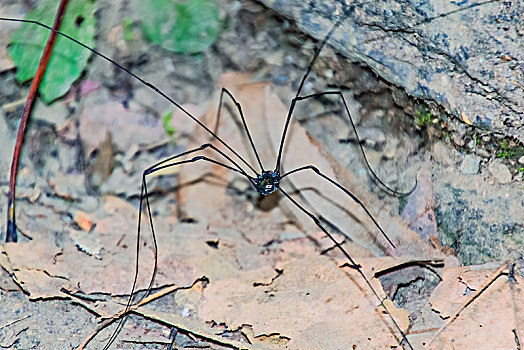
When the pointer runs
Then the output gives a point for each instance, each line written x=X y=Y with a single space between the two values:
x=485 y=305
x=239 y=264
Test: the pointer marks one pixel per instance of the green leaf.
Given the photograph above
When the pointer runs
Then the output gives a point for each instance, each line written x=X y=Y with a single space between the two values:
x=128 y=30
x=170 y=130
x=188 y=26
x=68 y=59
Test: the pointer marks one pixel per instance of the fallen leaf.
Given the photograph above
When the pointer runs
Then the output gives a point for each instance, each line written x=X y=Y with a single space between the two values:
x=465 y=118
x=103 y=163
x=67 y=187
x=492 y=320
x=86 y=243
x=312 y=303
x=123 y=125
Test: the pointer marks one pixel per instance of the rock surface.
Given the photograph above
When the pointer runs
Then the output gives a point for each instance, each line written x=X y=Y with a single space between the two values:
x=470 y=165
x=466 y=56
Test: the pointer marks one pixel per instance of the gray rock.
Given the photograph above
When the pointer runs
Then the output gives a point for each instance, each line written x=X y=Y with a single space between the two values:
x=373 y=137
x=470 y=165
x=521 y=160
x=482 y=152
x=480 y=222
x=418 y=212
x=442 y=153
x=499 y=172
x=462 y=55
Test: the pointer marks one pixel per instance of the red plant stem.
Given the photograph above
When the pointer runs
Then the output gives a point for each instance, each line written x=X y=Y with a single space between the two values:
x=11 y=234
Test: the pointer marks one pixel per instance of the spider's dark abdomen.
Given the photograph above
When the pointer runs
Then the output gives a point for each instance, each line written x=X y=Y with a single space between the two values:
x=267 y=182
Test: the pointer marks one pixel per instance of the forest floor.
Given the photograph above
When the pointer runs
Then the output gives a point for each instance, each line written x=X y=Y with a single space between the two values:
x=244 y=271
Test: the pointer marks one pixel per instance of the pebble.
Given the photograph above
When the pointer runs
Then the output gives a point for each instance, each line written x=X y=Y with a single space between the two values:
x=458 y=136
x=470 y=165
x=521 y=160
x=499 y=172
x=377 y=114
x=442 y=153
x=373 y=137
x=390 y=149
x=84 y=221
x=457 y=139
x=482 y=152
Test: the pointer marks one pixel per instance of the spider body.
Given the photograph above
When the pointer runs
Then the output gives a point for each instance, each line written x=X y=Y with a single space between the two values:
x=267 y=182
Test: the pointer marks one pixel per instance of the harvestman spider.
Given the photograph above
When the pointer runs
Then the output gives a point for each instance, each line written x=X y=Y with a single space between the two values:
x=265 y=181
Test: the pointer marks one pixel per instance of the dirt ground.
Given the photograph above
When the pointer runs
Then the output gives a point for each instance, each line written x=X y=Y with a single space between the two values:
x=79 y=188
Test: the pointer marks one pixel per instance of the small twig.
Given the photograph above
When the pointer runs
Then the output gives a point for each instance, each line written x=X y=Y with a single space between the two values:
x=172 y=336
x=193 y=331
x=79 y=301
x=125 y=311
x=11 y=235
x=15 y=321
x=12 y=106
x=468 y=301
x=422 y=331
x=145 y=342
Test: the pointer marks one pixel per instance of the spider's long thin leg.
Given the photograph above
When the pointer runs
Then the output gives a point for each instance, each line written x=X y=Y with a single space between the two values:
x=244 y=123
x=166 y=163
x=375 y=176
x=310 y=66
x=148 y=84
x=354 y=264
x=343 y=189
x=238 y=168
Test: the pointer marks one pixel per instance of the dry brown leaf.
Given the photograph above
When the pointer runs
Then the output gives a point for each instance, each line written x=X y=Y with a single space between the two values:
x=72 y=267
x=102 y=165
x=180 y=321
x=102 y=260
x=179 y=120
x=492 y=321
x=5 y=61
x=312 y=303
x=31 y=265
x=124 y=126
x=67 y=186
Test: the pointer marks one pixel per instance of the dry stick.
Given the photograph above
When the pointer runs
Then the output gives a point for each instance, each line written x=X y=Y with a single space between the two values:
x=15 y=321
x=11 y=234
x=135 y=308
x=125 y=311
x=465 y=304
